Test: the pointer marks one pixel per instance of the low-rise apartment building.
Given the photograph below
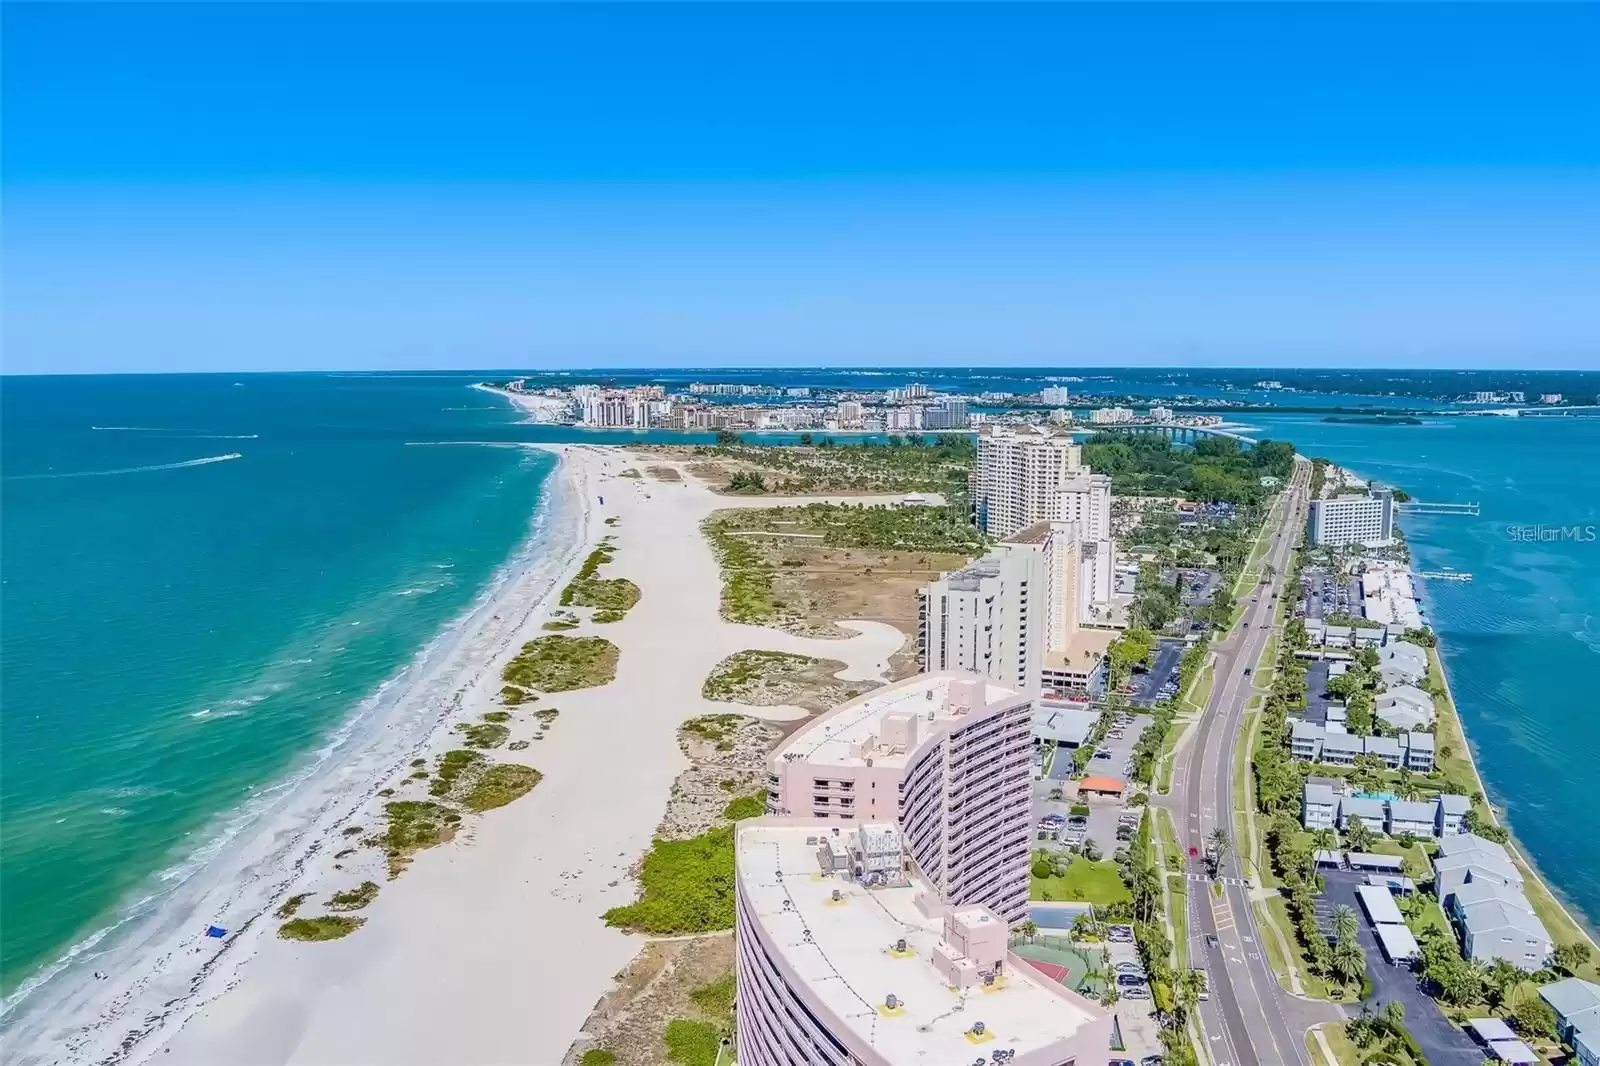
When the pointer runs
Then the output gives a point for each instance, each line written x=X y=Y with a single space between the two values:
x=1332 y=746
x=1326 y=803
x=1577 y=1006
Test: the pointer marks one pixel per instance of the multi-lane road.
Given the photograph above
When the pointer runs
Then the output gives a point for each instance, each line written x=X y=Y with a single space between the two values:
x=1249 y=1019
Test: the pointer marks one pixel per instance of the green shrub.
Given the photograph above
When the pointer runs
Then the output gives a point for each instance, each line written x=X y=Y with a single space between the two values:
x=692 y=1043
x=685 y=886
x=499 y=785
x=559 y=664
x=327 y=927
x=292 y=904
x=746 y=807
x=355 y=898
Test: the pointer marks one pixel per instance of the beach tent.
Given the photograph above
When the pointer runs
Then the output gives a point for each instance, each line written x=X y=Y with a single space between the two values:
x=216 y=931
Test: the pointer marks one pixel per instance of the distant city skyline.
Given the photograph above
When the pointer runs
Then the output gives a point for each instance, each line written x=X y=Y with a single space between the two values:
x=367 y=187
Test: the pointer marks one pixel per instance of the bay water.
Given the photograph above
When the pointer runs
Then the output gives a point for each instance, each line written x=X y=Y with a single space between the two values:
x=1521 y=641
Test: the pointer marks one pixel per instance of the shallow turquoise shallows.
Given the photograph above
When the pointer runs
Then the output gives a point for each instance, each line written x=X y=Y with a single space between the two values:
x=178 y=632
x=1522 y=640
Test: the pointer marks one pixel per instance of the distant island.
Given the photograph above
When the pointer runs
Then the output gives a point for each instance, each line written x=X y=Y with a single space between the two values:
x=1374 y=420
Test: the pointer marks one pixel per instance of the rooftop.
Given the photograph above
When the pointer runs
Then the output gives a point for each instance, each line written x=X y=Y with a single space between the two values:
x=1064 y=725
x=1412 y=810
x=1572 y=997
x=1084 y=648
x=1483 y=917
x=851 y=965
x=889 y=723
x=1037 y=533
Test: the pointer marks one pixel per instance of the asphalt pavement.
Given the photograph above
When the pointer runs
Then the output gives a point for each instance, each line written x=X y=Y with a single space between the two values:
x=1249 y=1020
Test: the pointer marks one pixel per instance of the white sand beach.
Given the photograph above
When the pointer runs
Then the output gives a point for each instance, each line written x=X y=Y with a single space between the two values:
x=539 y=409
x=490 y=949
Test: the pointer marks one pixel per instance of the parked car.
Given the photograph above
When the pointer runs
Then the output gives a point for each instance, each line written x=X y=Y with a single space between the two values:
x=1130 y=979
x=1211 y=940
x=1134 y=993
x=1150 y=1060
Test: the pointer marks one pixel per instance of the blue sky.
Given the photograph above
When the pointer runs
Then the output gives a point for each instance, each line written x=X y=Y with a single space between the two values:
x=277 y=186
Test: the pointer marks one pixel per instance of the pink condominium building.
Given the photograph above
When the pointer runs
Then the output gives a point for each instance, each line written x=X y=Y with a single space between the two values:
x=844 y=959
x=946 y=758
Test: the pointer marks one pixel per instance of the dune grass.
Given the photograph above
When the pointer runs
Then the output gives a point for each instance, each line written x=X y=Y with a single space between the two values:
x=560 y=664
x=327 y=927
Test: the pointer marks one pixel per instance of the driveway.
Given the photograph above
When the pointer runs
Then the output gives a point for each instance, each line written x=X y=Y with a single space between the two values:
x=1441 y=1042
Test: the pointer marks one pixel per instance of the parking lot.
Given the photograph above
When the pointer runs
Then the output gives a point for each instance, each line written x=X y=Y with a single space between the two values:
x=1317 y=692
x=1102 y=822
x=1441 y=1042
x=1162 y=678
x=1195 y=584
x=1322 y=593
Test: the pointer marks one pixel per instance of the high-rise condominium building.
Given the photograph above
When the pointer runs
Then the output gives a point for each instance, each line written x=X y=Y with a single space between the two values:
x=945 y=414
x=987 y=618
x=1026 y=476
x=1352 y=519
x=1161 y=414
x=845 y=957
x=1018 y=473
x=1055 y=394
x=1103 y=416
x=946 y=757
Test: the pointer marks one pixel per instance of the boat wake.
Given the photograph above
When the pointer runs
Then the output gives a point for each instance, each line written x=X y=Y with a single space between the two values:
x=207 y=461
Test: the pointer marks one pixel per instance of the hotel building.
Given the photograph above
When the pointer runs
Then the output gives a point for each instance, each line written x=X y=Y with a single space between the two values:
x=1348 y=519
x=946 y=757
x=845 y=957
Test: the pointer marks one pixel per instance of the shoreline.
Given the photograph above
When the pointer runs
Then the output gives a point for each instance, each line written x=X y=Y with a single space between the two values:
x=1573 y=915
x=454 y=950
x=254 y=855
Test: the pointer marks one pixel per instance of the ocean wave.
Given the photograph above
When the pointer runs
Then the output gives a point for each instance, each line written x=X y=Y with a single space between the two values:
x=114 y=812
x=206 y=461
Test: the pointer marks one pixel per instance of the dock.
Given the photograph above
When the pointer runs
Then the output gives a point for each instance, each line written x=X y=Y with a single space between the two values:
x=1445 y=575
x=1437 y=507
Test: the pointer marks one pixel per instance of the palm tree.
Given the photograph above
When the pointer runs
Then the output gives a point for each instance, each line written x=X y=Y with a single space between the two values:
x=1348 y=960
x=1029 y=929
x=1216 y=848
x=1500 y=979
x=1358 y=835
x=1344 y=923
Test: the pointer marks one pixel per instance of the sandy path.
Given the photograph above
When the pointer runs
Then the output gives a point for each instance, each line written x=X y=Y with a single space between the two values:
x=491 y=950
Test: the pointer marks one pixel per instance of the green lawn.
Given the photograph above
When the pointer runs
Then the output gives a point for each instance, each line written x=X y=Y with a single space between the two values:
x=1085 y=882
x=1275 y=910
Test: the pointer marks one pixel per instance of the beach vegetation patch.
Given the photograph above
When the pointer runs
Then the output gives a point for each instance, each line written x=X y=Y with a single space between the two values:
x=289 y=906
x=685 y=886
x=326 y=927
x=354 y=899
x=515 y=695
x=483 y=734
x=693 y=1043
x=611 y=597
x=715 y=729
x=744 y=807
x=453 y=765
x=351 y=830
x=630 y=473
x=517 y=745
x=557 y=625
x=413 y=826
x=560 y=664
x=499 y=785
x=497 y=716
x=598 y=1056
x=773 y=678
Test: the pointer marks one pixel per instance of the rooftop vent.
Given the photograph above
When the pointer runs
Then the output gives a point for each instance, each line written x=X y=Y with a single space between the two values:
x=988 y=978
x=806 y=936
x=891 y=1001
x=900 y=945
x=977 y=1030
x=837 y=895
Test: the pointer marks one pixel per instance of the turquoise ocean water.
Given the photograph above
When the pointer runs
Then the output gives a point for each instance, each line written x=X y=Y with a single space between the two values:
x=1521 y=642
x=179 y=635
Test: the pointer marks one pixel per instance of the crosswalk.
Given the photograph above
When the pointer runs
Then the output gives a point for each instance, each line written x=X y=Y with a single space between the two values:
x=1203 y=879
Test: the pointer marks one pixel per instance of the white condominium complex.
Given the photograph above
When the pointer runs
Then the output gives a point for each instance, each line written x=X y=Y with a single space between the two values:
x=1025 y=476
x=987 y=618
x=1018 y=474
x=1340 y=521
x=947 y=758
x=845 y=957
